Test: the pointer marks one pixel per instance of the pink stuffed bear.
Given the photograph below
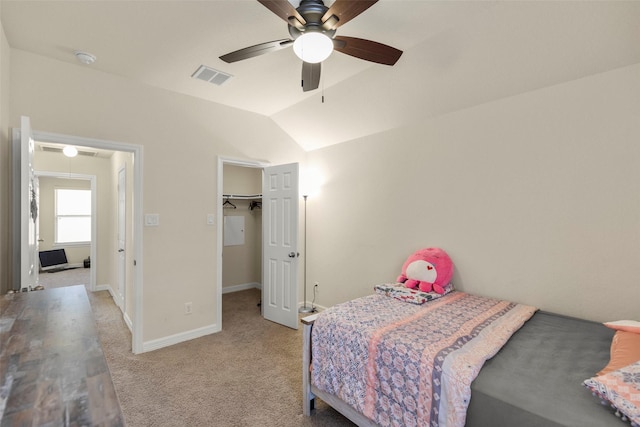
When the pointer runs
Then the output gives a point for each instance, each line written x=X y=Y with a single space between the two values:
x=428 y=269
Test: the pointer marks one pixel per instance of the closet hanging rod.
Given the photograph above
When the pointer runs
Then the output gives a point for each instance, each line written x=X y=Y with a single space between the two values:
x=242 y=196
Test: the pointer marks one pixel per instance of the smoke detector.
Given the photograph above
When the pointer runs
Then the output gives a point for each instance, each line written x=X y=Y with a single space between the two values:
x=85 y=57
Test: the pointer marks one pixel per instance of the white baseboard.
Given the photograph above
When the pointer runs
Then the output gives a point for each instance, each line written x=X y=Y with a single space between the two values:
x=178 y=338
x=241 y=287
x=128 y=322
x=108 y=288
x=113 y=294
x=316 y=306
x=195 y=333
x=104 y=288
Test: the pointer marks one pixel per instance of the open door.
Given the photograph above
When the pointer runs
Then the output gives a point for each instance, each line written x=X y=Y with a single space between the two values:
x=25 y=214
x=280 y=202
x=122 y=221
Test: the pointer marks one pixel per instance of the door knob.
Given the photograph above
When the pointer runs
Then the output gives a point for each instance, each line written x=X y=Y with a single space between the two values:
x=120 y=250
x=292 y=254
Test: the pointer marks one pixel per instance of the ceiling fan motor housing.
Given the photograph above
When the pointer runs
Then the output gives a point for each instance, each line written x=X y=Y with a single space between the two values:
x=312 y=11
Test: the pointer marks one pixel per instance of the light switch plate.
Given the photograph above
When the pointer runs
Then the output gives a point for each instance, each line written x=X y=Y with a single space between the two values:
x=211 y=219
x=151 y=220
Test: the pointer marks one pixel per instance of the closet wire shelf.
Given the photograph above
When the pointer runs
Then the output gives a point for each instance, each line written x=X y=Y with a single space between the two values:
x=256 y=200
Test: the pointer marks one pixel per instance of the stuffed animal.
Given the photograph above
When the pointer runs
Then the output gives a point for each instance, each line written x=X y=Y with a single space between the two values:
x=428 y=269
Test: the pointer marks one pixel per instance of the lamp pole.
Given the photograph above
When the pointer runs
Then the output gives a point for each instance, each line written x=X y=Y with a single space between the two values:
x=304 y=308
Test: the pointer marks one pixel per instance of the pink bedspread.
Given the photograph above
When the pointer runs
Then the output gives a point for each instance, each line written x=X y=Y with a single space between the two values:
x=403 y=364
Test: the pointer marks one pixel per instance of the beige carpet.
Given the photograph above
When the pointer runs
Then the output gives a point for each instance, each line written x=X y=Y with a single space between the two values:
x=73 y=276
x=249 y=374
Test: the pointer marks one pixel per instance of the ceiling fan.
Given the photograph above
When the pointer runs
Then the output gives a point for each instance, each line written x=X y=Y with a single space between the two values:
x=313 y=24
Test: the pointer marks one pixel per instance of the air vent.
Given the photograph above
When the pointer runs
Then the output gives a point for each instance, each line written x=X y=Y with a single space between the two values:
x=87 y=153
x=210 y=75
x=52 y=149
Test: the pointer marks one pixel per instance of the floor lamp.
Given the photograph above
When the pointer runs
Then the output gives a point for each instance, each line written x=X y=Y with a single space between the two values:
x=304 y=308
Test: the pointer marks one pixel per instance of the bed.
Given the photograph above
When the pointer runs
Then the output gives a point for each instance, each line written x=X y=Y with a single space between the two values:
x=530 y=372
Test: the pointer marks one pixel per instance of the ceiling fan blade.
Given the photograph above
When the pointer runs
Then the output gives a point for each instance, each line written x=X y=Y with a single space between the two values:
x=310 y=76
x=283 y=9
x=346 y=10
x=367 y=50
x=259 y=49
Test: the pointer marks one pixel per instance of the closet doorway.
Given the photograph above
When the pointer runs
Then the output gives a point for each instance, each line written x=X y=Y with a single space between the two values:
x=257 y=236
x=241 y=228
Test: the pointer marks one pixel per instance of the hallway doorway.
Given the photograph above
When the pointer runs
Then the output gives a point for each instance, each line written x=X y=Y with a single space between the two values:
x=129 y=155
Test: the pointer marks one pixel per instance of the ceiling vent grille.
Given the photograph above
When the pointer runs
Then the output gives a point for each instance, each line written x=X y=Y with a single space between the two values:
x=210 y=75
x=51 y=149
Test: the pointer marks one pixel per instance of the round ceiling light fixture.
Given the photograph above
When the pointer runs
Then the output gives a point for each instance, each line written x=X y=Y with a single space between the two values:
x=70 y=151
x=313 y=47
x=85 y=57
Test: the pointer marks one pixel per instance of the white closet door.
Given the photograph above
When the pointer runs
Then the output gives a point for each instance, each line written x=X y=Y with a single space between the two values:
x=280 y=200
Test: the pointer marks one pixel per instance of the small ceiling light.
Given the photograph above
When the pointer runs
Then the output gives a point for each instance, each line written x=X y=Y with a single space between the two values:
x=313 y=47
x=85 y=57
x=70 y=151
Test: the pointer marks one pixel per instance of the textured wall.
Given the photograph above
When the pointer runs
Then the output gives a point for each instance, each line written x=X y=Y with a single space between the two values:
x=534 y=197
x=181 y=138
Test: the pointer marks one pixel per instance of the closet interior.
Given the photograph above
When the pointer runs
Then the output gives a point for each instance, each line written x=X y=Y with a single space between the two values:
x=242 y=230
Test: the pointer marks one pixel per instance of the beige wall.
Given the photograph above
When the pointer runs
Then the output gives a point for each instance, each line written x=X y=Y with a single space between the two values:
x=242 y=264
x=5 y=183
x=46 y=216
x=535 y=197
x=242 y=180
x=181 y=138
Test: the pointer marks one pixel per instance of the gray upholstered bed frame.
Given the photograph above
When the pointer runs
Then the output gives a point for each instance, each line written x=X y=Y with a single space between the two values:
x=534 y=381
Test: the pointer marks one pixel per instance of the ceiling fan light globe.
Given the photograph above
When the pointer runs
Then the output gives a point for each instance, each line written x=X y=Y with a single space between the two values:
x=70 y=151
x=313 y=47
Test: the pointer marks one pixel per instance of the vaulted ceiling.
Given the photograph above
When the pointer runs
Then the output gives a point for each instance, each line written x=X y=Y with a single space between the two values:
x=457 y=54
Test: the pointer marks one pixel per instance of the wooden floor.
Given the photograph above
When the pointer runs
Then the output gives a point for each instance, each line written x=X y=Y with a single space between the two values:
x=52 y=368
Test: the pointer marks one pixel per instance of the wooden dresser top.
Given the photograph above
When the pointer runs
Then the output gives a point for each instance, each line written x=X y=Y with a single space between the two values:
x=52 y=368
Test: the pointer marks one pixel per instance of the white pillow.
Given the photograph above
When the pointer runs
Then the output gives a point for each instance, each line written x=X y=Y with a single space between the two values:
x=624 y=325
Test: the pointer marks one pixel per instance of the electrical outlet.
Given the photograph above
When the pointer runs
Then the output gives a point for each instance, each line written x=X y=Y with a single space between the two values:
x=315 y=286
x=188 y=307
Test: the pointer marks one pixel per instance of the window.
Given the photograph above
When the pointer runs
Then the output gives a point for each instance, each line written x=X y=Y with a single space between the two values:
x=73 y=216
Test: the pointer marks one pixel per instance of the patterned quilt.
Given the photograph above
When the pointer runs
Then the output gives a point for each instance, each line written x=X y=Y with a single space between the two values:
x=403 y=364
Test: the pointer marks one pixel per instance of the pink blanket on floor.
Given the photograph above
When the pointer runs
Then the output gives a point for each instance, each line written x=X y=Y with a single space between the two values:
x=406 y=364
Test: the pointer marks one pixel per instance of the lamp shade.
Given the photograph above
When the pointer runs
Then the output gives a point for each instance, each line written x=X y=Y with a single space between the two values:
x=311 y=181
x=313 y=47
